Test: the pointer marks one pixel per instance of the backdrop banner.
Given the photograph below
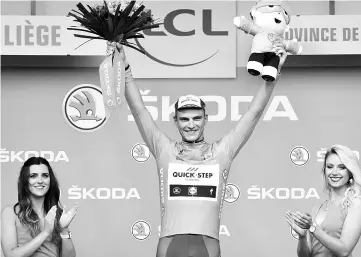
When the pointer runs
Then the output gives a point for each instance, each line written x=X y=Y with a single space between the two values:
x=104 y=165
x=197 y=40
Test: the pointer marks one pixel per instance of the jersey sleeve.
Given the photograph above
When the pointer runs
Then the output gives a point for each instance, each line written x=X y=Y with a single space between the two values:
x=155 y=139
x=225 y=145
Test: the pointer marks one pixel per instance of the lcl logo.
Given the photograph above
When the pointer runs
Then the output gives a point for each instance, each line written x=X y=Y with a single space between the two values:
x=172 y=30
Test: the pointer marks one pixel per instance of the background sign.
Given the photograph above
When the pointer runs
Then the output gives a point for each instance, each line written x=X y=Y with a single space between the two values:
x=318 y=34
x=109 y=171
x=198 y=39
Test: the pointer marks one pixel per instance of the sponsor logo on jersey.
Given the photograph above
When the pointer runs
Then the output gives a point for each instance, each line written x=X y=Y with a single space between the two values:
x=192 y=191
x=176 y=190
x=225 y=175
x=193 y=182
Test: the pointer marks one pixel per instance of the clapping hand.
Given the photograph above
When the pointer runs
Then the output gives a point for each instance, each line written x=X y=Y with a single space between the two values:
x=67 y=216
x=303 y=220
x=299 y=222
x=49 y=220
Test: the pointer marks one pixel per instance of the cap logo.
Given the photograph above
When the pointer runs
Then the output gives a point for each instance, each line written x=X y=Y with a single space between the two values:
x=189 y=99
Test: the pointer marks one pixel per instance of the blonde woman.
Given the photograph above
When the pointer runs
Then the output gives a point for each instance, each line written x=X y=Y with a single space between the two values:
x=334 y=227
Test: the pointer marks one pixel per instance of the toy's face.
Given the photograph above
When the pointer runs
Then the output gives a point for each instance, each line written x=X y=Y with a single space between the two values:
x=272 y=18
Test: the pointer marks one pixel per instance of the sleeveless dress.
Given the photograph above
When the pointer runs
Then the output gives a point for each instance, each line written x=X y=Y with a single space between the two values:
x=47 y=249
x=332 y=225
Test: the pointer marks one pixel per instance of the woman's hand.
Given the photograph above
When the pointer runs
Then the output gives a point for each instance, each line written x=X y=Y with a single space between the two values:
x=67 y=216
x=303 y=220
x=291 y=221
x=49 y=221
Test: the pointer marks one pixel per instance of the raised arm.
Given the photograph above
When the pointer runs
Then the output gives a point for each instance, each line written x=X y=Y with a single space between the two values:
x=238 y=136
x=148 y=129
x=9 y=241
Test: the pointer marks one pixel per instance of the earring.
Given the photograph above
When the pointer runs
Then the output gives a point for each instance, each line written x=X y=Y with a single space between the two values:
x=351 y=180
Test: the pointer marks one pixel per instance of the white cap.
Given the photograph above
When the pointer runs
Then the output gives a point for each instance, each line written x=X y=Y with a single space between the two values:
x=189 y=101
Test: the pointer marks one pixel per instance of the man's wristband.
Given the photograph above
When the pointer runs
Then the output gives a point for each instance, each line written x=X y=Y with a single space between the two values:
x=128 y=74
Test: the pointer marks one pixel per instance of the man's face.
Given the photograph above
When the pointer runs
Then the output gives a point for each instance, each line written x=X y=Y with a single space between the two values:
x=190 y=123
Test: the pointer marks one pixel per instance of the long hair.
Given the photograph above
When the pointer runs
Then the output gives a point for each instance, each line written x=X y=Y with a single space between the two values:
x=353 y=189
x=24 y=208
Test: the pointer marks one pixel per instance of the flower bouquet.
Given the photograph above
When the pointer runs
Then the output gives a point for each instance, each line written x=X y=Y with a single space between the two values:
x=116 y=22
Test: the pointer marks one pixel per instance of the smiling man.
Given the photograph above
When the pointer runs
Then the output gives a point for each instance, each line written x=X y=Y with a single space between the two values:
x=192 y=172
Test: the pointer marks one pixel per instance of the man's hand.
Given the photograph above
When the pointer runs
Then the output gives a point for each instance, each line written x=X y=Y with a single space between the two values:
x=281 y=52
x=122 y=54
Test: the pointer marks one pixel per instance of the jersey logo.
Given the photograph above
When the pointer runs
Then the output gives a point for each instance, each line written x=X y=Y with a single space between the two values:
x=207 y=156
x=193 y=182
x=225 y=174
x=193 y=191
x=192 y=169
x=176 y=190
